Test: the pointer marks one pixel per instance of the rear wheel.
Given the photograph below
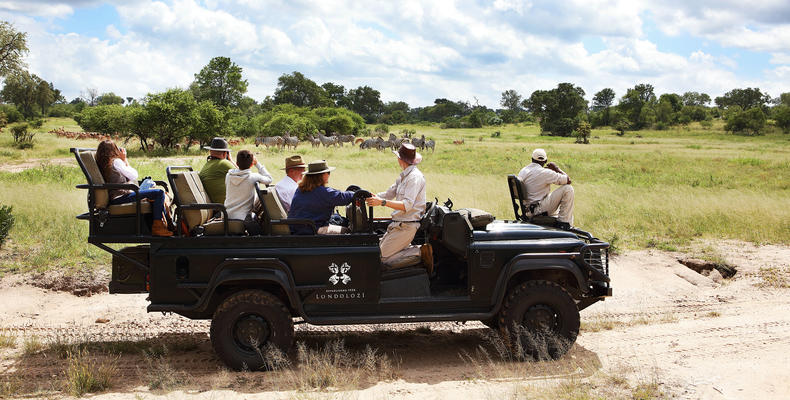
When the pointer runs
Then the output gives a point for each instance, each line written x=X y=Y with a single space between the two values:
x=246 y=324
x=539 y=320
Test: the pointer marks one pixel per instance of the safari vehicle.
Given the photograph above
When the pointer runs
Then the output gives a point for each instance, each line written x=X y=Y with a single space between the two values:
x=516 y=276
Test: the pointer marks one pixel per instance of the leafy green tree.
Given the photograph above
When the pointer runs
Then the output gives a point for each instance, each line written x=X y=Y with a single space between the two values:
x=339 y=120
x=781 y=115
x=109 y=98
x=300 y=91
x=511 y=100
x=337 y=93
x=26 y=91
x=292 y=124
x=366 y=102
x=13 y=47
x=219 y=82
x=443 y=109
x=634 y=100
x=695 y=99
x=169 y=116
x=582 y=132
x=744 y=98
x=784 y=98
x=603 y=99
x=747 y=122
x=559 y=110
x=209 y=123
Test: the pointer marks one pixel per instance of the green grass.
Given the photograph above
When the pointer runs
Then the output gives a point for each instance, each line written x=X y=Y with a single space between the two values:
x=664 y=189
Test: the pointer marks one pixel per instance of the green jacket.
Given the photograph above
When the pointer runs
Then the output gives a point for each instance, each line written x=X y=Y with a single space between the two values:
x=213 y=177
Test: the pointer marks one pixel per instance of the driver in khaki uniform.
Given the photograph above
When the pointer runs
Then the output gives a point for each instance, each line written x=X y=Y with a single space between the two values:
x=407 y=197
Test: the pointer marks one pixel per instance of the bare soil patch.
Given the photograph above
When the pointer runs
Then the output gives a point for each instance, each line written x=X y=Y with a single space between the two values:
x=667 y=332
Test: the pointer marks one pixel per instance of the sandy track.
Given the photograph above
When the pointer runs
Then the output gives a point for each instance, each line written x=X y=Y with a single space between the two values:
x=698 y=338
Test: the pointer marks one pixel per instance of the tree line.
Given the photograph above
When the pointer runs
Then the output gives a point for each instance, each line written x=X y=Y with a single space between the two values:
x=216 y=104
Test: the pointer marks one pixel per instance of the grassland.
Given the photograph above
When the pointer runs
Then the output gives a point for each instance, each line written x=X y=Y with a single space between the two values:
x=659 y=189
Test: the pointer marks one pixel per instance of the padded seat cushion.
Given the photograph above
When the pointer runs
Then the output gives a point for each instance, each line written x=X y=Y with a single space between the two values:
x=130 y=208
x=478 y=218
x=190 y=191
x=100 y=196
x=275 y=210
x=217 y=227
x=402 y=263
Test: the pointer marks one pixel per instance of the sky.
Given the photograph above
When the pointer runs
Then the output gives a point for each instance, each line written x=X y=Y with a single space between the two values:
x=411 y=50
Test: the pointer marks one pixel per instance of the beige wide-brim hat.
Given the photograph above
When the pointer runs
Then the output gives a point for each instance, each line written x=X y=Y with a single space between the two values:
x=294 y=162
x=318 y=167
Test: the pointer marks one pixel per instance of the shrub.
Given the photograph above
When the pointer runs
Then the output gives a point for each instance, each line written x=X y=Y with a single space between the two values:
x=37 y=123
x=22 y=137
x=750 y=122
x=382 y=129
x=11 y=113
x=6 y=222
x=582 y=132
x=781 y=115
x=85 y=376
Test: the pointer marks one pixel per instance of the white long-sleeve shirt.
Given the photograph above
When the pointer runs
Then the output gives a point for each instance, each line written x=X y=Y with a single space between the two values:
x=409 y=188
x=285 y=191
x=538 y=180
x=240 y=190
x=124 y=169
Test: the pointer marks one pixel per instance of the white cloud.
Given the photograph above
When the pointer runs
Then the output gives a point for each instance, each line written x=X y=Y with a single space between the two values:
x=409 y=50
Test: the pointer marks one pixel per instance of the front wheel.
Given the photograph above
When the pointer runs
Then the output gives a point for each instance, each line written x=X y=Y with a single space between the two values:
x=539 y=320
x=244 y=326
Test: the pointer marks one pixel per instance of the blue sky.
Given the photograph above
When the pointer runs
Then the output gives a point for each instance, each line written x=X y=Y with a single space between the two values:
x=411 y=50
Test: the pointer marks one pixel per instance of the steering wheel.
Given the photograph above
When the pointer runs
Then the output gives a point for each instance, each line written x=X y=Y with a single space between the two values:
x=359 y=205
x=426 y=218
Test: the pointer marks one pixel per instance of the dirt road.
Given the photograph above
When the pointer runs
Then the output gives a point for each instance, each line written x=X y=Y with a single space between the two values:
x=666 y=324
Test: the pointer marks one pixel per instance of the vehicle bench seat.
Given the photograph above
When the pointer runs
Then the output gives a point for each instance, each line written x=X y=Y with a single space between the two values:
x=101 y=197
x=188 y=190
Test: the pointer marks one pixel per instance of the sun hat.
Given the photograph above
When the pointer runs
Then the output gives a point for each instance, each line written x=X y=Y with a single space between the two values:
x=318 y=167
x=539 y=154
x=408 y=153
x=218 y=144
x=294 y=162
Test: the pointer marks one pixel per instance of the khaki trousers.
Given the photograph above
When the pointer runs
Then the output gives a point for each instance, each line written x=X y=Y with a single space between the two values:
x=558 y=203
x=396 y=246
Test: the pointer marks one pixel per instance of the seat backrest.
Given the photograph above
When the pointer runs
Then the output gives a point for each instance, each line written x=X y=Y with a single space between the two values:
x=273 y=209
x=517 y=197
x=87 y=160
x=188 y=189
x=456 y=233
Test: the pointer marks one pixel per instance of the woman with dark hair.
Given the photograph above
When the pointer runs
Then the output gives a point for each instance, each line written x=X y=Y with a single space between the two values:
x=115 y=169
x=315 y=201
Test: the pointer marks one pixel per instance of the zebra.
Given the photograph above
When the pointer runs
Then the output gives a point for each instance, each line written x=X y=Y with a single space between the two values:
x=430 y=143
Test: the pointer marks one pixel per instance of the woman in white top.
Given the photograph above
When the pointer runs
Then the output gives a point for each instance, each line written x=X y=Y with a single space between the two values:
x=115 y=169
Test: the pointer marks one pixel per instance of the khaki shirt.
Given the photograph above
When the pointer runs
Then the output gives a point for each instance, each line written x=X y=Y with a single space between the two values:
x=537 y=181
x=409 y=188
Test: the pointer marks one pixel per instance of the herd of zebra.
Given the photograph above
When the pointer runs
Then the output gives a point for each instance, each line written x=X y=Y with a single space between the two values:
x=378 y=143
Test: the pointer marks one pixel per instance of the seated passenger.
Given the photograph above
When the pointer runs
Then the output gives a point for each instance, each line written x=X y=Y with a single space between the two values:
x=115 y=169
x=315 y=201
x=294 y=169
x=212 y=175
x=240 y=185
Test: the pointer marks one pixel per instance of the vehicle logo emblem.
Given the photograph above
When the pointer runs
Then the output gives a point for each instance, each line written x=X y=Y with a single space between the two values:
x=339 y=274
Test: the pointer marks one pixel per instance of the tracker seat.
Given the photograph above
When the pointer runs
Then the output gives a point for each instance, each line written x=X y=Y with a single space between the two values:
x=518 y=198
x=194 y=208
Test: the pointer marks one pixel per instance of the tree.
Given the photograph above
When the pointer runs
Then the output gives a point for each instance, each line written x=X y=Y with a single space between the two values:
x=744 y=98
x=168 y=116
x=603 y=99
x=337 y=93
x=634 y=100
x=559 y=110
x=109 y=98
x=366 y=102
x=695 y=99
x=219 y=82
x=209 y=123
x=511 y=100
x=300 y=91
x=747 y=122
x=13 y=46
x=27 y=91
x=781 y=115
x=395 y=112
x=292 y=124
x=90 y=95
x=582 y=132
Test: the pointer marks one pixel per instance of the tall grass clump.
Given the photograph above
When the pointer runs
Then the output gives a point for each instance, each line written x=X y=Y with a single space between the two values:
x=159 y=374
x=84 y=375
x=6 y=222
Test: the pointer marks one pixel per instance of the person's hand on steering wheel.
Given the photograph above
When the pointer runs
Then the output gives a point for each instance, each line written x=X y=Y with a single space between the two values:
x=373 y=201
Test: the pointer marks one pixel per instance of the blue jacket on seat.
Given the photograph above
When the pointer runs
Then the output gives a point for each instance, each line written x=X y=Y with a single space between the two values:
x=316 y=205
